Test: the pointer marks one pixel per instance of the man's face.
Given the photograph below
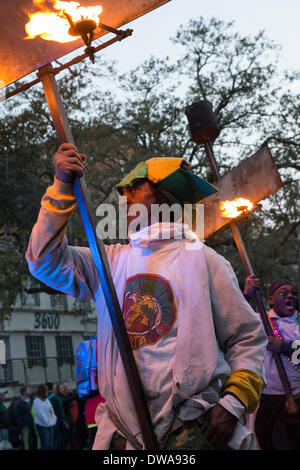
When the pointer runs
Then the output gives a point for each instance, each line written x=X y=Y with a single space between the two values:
x=64 y=389
x=141 y=194
x=2 y=397
x=284 y=300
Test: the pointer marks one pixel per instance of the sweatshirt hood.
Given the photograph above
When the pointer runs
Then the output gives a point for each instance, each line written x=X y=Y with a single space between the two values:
x=161 y=232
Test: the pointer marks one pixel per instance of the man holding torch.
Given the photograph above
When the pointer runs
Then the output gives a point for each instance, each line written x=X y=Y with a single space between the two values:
x=276 y=426
x=198 y=345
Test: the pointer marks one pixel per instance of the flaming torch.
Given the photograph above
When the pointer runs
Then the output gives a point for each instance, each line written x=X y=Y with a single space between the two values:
x=66 y=22
x=51 y=27
x=204 y=130
x=54 y=24
x=235 y=208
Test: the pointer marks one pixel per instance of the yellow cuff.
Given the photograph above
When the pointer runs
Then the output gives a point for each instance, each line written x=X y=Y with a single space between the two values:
x=246 y=386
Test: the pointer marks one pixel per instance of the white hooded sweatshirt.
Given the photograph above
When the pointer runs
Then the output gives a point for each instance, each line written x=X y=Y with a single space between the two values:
x=188 y=322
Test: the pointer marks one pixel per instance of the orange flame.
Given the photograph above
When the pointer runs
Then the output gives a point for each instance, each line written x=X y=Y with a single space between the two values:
x=54 y=26
x=232 y=209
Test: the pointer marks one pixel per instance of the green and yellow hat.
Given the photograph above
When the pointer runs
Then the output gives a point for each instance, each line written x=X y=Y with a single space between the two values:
x=173 y=178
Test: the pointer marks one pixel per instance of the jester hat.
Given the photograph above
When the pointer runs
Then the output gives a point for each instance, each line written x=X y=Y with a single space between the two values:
x=173 y=178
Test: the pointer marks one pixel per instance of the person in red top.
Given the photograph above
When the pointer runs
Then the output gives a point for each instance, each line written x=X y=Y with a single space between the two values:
x=89 y=414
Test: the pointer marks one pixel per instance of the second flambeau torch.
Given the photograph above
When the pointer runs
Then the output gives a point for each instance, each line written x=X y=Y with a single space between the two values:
x=204 y=130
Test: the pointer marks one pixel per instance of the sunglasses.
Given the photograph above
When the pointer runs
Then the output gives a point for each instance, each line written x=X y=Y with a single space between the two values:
x=285 y=292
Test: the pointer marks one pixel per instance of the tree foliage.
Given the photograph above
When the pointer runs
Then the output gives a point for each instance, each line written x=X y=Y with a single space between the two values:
x=140 y=115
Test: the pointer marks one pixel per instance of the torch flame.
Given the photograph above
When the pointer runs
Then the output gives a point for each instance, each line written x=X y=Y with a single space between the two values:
x=235 y=208
x=54 y=26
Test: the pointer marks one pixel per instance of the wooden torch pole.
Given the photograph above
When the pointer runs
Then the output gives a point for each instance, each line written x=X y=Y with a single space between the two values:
x=64 y=134
x=257 y=297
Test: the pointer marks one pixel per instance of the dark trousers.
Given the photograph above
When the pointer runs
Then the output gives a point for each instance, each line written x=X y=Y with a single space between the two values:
x=274 y=428
x=68 y=438
x=58 y=435
x=46 y=435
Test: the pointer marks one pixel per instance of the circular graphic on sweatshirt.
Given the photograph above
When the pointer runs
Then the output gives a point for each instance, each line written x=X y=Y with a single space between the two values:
x=149 y=309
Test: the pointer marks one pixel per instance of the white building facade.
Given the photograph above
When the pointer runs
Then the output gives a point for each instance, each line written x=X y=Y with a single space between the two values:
x=40 y=337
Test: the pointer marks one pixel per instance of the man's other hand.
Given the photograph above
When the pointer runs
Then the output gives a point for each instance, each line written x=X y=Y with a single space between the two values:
x=68 y=163
x=218 y=427
x=251 y=284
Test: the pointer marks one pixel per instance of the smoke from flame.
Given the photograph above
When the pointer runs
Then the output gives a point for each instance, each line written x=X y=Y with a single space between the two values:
x=232 y=209
x=54 y=26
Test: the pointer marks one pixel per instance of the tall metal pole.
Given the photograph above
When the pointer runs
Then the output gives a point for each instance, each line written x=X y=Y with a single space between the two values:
x=257 y=297
x=64 y=134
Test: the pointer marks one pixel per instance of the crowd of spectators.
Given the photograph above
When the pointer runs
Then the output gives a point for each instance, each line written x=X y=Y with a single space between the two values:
x=52 y=417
